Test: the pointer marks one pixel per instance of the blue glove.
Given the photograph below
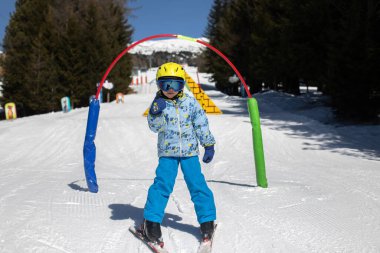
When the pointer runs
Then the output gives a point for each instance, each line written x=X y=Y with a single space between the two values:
x=209 y=154
x=157 y=106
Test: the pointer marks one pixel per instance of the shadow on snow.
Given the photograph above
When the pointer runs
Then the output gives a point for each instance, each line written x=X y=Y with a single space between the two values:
x=75 y=184
x=127 y=211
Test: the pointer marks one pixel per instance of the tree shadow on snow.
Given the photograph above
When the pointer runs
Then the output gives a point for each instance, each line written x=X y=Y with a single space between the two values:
x=127 y=211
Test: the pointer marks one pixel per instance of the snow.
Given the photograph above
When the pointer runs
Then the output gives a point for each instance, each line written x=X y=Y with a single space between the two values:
x=168 y=45
x=323 y=194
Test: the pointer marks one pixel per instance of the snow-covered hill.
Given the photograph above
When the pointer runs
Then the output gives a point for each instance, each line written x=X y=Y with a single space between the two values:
x=169 y=46
x=323 y=194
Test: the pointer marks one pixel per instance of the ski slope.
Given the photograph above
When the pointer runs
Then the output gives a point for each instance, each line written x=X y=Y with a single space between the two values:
x=323 y=194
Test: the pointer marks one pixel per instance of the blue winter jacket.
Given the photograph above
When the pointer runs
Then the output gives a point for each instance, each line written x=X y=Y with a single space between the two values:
x=180 y=126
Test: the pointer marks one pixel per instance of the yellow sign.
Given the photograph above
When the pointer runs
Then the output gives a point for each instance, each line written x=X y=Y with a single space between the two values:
x=10 y=111
x=119 y=97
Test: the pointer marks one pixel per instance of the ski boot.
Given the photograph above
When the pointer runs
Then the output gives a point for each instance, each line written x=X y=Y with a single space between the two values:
x=207 y=230
x=152 y=231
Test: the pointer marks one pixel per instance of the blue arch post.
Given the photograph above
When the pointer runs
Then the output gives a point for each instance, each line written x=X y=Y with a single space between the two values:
x=89 y=148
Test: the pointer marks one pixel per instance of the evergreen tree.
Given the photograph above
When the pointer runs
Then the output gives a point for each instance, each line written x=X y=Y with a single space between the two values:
x=331 y=44
x=62 y=48
x=354 y=53
x=235 y=29
x=20 y=67
x=309 y=35
x=216 y=32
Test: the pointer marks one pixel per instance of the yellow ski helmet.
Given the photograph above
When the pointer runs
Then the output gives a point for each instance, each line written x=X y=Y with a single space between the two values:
x=170 y=69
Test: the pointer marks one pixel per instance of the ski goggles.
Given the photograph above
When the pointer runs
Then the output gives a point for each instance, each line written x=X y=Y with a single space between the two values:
x=167 y=84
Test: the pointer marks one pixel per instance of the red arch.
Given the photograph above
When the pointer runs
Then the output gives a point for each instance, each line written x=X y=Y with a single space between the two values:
x=171 y=36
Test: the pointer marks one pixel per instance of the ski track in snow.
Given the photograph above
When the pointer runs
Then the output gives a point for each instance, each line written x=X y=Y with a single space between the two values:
x=323 y=193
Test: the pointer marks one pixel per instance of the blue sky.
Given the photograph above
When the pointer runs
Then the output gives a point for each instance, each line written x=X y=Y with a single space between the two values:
x=149 y=17
x=6 y=7
x=185 y=17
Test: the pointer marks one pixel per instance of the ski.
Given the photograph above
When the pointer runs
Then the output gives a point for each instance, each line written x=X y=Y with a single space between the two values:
x=154 y=247
x=206 y=245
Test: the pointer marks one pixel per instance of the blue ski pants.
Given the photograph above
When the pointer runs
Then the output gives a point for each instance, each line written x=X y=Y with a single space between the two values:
x=160 y=190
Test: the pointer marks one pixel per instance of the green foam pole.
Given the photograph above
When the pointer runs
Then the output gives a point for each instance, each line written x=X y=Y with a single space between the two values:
x=258 y=149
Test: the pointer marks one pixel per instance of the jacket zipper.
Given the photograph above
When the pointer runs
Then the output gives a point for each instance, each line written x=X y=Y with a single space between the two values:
x=179 y=129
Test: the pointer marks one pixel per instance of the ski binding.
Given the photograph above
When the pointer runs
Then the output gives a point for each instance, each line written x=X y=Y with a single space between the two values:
x=206 y=244
x=154 y=247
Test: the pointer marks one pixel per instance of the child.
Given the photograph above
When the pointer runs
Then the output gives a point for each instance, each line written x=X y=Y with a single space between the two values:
x=180 y=123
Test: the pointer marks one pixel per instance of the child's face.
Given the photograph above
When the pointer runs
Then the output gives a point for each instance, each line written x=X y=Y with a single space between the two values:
x=170 y=93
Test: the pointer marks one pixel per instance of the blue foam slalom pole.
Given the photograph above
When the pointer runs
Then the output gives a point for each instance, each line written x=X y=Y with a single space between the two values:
x=89 y=148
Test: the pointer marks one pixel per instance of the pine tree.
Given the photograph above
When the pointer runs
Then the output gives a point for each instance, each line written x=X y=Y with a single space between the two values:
x=217 y=35
x=19 y=65
x=354 y=54
x=62 y=48
x=331 y=44
x=243 y=23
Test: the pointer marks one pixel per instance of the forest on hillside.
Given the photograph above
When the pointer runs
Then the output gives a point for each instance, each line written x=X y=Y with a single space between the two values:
x=334 y=45
x=61 y=48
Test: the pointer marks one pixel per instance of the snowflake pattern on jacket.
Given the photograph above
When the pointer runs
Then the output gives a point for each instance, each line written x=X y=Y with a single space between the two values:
x=180 y=126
